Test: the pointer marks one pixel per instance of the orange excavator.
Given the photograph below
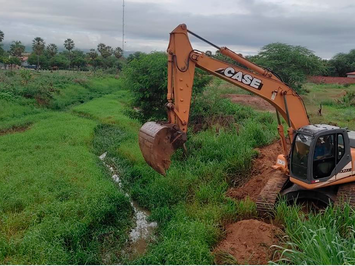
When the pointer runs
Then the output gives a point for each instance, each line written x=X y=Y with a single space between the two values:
x=319 y=163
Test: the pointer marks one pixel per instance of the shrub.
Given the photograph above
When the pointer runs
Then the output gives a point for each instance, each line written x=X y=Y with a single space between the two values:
x=146 y=76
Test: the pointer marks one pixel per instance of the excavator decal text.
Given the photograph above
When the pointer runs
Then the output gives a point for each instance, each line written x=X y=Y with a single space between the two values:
x=240 y=76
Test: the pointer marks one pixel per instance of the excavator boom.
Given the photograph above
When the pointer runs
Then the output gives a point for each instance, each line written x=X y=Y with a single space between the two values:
x=159 y=141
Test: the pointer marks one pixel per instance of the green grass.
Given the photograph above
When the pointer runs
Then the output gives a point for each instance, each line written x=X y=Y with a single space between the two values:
x=326 y=238
x=58 y=204
x=189 y=203
x=335 y=109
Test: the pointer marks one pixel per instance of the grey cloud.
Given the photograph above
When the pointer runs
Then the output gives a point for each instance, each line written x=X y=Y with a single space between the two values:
x=327 y=29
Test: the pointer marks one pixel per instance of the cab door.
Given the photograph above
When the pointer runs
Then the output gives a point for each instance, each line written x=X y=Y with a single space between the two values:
x=343 y=159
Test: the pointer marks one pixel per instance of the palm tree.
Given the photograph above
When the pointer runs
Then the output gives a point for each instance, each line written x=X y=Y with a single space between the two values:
x=17 y=48
x=108 y=51
x=69 y=45
x=118 y=52
x=1 y=36
x=101 y=48
x=38 y=46
x=52 y=49
x=92 y=54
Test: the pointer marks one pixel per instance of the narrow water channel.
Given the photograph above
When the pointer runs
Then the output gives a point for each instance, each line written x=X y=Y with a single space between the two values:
x=143 y=232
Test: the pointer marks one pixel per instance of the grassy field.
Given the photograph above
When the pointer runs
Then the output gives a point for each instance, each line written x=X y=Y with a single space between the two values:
x=60 y=205
x=189 y=203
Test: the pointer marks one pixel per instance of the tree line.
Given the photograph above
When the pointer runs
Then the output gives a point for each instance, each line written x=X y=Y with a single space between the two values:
x=48 y=57
x=276 y=56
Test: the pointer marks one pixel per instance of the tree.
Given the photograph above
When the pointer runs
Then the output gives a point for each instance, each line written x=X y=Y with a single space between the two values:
x=92 y=55
x=118 y=52
x=104 y=50
x=101 y=47
x=17 y=48
x=69 y=45
x=38 y=46
x=133 y=56
x=1 y=39
x=149 y=86
x=41 y=60
x=59 y=61
x=342 y=63
x=52 y=50
x=78 y=59
x=292 y=63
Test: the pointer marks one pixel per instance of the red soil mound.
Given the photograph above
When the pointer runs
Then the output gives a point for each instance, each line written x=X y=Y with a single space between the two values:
x=260 y=174
x=331 y=80
x=253 y=101
x=249 y=242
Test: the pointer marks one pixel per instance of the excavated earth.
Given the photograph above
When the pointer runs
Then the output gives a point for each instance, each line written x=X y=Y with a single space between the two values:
x=254 y=101
x=251 y=241
x=261 y=172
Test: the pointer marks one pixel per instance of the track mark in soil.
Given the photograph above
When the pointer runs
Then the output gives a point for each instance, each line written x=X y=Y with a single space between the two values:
x=249 y=242
x=250 y=100
x=260 y=174
x=15 y=129
x=143 y=232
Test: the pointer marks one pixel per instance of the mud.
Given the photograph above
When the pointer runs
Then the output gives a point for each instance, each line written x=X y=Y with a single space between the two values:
x=260 y=174
x=249 y=242
x=254 y=101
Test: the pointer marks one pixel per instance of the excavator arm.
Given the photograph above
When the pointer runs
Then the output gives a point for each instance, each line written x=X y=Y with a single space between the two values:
x=159 y=141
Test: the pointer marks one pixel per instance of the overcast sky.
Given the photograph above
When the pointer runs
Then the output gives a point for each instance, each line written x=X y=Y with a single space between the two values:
x=324 y=26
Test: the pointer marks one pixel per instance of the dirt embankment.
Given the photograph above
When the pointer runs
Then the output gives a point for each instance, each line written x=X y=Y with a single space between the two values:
x=262 y=170
x=250 y=241
x=254 y=101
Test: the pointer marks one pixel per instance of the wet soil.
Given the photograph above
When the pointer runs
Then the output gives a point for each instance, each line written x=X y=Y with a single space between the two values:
x=250 y=100
x=14 y=129
x=143 y=232
x=260 y=174
x=249 y=242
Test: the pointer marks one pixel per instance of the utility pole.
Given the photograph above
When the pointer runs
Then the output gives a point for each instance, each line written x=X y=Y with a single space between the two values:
x=122 y=26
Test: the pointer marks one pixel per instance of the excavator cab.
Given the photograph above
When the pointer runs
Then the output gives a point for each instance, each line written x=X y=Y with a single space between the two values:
x=320 y=154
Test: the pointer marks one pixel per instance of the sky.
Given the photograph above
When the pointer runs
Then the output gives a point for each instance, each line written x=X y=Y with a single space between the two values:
x=326 y=27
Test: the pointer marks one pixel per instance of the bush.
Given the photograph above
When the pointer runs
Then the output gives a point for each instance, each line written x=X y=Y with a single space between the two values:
x=146 y=76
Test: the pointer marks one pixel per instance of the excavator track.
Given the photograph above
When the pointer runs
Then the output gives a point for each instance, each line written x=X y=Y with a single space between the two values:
x=346 y=193
x=265 y=203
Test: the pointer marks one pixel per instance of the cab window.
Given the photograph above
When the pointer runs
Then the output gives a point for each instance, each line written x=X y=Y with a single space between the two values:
x=324 y=156
x=341 y=147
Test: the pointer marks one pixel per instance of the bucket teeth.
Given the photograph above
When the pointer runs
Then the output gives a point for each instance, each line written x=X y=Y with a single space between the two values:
x=158 y=142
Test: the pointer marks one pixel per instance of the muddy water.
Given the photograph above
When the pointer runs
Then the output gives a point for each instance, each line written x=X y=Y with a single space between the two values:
x=143 y=232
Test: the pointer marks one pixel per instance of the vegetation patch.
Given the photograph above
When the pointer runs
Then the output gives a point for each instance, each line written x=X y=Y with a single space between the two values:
x=189 y=203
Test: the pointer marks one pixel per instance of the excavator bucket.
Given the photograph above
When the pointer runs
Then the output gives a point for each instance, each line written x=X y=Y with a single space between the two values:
x=158 y=142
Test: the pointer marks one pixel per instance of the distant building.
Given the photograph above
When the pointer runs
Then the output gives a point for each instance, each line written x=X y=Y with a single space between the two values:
x=350 y=75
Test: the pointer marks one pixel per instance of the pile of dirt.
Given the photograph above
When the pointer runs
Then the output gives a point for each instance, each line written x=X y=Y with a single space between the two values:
x=254 y=101
x=262 y=171
x=249 y=242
